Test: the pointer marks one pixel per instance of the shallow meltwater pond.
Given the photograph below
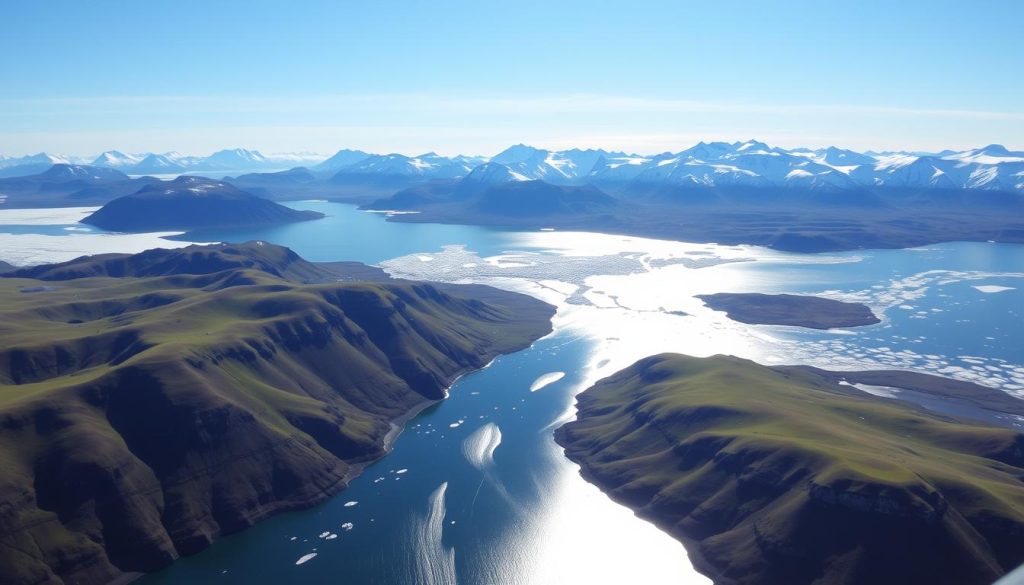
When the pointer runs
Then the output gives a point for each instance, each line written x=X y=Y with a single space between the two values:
x=477 y=492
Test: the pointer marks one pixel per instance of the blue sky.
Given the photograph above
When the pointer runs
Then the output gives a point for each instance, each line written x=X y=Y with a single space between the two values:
x=473 y=77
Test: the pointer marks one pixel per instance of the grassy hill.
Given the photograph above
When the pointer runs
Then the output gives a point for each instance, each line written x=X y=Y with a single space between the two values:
x=143 y=416
x=794 y=310
x=192 y=203
x=197 y=260
x=783 y=476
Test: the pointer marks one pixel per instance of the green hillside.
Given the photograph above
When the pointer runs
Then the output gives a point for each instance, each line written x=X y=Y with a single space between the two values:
x=783 y=476
x=142 y=417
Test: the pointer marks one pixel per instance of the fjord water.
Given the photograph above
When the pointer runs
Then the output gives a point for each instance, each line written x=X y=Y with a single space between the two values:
x=477 y=492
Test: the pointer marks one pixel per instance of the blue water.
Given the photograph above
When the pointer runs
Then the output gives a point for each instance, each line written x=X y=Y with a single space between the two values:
x=950 y=320
x=446 y=519
x=384 y=543
x=346 y=233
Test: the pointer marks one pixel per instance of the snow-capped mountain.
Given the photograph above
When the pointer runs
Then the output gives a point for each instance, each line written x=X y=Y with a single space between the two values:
x=342 y=158
x=747 y=164
x=115 y=159
x=64 y=172
x=425 y=166
x=173 y=162
x=235 y=158
x=40 y=158
x=493 y=173
x=156 y=164
x=755 y=164
x=20 y=166
x=559 y=167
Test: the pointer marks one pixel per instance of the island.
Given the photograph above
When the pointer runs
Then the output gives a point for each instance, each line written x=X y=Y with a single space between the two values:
x=151 y=403
x=192 y=203
x=783 y=475
x=795 y=310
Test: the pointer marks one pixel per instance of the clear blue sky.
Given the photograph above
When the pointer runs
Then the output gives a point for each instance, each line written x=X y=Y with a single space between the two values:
x=475 y=76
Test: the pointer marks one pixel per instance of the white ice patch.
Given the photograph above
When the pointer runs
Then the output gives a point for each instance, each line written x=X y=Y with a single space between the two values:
x=305 y=558
x=31 y=249
x=479 y=447
x=992 y=288
x=351 y=503
x=434 y=563
x=546 y=379
x=56 y=216
x=617 y=291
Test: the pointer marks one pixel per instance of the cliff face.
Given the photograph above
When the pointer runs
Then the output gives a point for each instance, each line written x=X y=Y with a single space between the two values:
x=781 y=476
x=141 y=418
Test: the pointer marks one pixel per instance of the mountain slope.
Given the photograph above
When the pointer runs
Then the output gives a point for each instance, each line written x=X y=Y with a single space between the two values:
x=192 y=203
x=63 y=185
x=141 y=418
x=781 y=475
x=197 y=259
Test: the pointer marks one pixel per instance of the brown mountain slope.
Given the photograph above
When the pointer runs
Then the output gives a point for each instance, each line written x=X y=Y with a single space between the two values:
x=140 y=418
x=780 y=475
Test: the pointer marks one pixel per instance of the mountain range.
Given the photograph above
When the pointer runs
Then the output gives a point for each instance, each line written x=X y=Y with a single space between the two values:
x=714 y=164
x=149 y=163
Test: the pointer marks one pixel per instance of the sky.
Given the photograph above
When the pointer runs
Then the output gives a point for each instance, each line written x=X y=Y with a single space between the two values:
x=473 y=77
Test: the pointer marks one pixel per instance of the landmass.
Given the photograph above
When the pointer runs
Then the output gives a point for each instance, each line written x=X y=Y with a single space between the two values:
x=795 y=216
x=789 y=221
x=796 y=310
x=152 y=403
x=783 y=475
x=192 y=203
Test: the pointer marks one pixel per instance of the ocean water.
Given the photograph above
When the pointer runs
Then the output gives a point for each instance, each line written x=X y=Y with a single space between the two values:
x=477 y=492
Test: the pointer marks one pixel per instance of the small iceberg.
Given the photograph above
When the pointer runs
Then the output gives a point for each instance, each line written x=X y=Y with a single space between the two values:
x=992 y=288
x=305 y=558
x=351 y=503
x=546 y=379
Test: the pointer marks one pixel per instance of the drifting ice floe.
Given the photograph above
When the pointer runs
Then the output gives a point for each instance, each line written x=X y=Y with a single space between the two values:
x=479 y=447
x=434 y=562
x=305 y=558
x=992 y=288
x=545 y=380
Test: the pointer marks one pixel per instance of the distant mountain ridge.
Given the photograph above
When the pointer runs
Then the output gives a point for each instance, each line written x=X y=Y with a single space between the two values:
x=713 y=164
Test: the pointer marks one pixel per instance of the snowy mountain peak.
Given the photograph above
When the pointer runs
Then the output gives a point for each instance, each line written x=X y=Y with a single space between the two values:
x=62 y=172
x=235 y=158
x=752 y=146
x=115 y=159
x=494 y=173
x=343 y=158
x=519 y=153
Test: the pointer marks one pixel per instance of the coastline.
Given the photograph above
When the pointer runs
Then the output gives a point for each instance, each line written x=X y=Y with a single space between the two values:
x=355 y=468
